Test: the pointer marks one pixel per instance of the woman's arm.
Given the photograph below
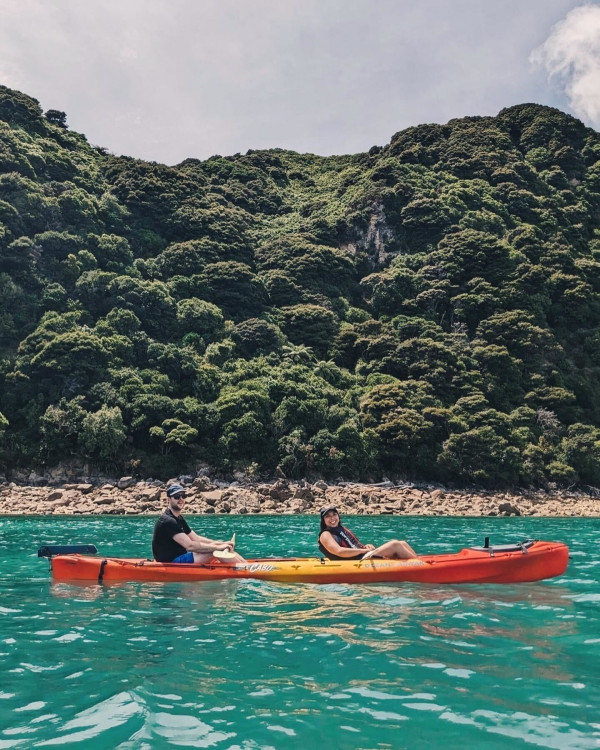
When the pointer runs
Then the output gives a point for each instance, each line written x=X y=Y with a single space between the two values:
x=332 y=546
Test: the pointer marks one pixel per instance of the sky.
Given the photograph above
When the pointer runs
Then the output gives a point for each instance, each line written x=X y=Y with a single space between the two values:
x=165 y=80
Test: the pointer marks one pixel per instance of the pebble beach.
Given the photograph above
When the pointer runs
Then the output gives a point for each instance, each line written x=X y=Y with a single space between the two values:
x=128 y=496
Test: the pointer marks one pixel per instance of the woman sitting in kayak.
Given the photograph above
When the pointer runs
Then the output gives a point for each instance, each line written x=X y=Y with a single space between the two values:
x=338 y=543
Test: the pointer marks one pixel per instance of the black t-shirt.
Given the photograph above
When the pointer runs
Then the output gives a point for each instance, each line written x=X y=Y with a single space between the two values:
x=164 y=548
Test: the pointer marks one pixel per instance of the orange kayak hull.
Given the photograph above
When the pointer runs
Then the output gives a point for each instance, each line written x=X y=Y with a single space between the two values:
x=537 y=562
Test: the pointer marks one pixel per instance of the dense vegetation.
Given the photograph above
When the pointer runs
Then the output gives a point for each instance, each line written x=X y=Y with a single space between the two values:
x=428 y=309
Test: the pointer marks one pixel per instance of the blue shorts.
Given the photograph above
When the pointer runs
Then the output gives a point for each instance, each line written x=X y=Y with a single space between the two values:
x=187 y=557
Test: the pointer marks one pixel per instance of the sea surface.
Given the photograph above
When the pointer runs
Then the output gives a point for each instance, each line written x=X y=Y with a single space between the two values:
x=246 y=664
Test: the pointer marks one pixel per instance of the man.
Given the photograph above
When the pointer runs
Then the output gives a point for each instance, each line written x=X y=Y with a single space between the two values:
x=174 y=541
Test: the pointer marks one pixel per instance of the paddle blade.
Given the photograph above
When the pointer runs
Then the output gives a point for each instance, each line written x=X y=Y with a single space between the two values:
x=233 y=539
x=66 y=549
x=224 y=554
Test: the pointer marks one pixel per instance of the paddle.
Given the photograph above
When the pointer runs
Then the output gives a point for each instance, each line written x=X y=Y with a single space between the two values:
x=225 y=554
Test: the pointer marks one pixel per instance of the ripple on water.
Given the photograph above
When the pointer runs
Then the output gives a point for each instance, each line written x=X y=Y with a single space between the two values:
x=260 y=665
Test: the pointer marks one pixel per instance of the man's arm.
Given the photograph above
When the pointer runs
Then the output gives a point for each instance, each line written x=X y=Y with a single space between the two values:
x=197 y=538
x=200 y=544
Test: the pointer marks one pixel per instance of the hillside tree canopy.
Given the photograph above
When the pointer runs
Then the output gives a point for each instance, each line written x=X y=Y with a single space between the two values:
x=429 y=309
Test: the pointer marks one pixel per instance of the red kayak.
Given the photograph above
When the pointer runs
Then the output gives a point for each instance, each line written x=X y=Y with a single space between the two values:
x=512 y=563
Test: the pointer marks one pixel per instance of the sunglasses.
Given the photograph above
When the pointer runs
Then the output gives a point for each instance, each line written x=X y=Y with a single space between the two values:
x=179 y=496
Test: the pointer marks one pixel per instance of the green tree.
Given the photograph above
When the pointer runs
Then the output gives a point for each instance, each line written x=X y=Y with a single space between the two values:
x=102 y=433
x=385 y=292
x=56 y=117
x=112 y=252
x=245 y=439
x=173 y=433
x=71 y=361
x=580 y=449
x=201 y=317
x=480 y=455
x=60 y=426
x=255 y=336
x=3 y=426
x=311 y=325
x=235 y=289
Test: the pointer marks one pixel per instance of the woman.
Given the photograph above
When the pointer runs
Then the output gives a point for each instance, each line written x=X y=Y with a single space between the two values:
x=338 y=543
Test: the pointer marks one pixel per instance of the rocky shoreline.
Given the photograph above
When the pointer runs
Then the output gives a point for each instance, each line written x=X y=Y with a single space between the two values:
x=127 y=496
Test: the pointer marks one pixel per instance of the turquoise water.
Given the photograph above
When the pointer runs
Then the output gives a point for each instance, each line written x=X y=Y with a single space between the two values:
x=243 y=664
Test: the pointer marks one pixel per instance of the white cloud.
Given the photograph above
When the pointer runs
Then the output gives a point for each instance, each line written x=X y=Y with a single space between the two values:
x=572 y=54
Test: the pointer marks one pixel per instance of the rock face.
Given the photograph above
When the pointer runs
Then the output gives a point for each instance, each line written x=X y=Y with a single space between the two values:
x=129 y=497
x=509 y=509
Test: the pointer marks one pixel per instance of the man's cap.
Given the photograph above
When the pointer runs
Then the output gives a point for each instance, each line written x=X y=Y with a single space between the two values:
x=174 y=489
x=326 y=509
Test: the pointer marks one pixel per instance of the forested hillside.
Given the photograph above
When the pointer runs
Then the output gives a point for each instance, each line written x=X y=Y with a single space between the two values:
x=429 y=309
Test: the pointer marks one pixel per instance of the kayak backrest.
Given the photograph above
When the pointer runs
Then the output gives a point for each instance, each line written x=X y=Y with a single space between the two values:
x=50 y=550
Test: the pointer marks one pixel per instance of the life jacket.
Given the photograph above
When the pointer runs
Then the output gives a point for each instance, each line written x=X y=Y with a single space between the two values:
x=345 y=538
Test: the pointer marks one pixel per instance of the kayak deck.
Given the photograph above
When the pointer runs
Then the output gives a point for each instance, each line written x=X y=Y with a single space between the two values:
x=529 y=561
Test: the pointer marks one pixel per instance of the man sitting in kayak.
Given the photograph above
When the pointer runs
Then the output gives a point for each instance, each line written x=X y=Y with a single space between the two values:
x=338 y=543
x=174 y=541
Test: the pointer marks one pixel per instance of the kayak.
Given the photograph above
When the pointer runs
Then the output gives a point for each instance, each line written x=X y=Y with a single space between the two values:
x=531 y=560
